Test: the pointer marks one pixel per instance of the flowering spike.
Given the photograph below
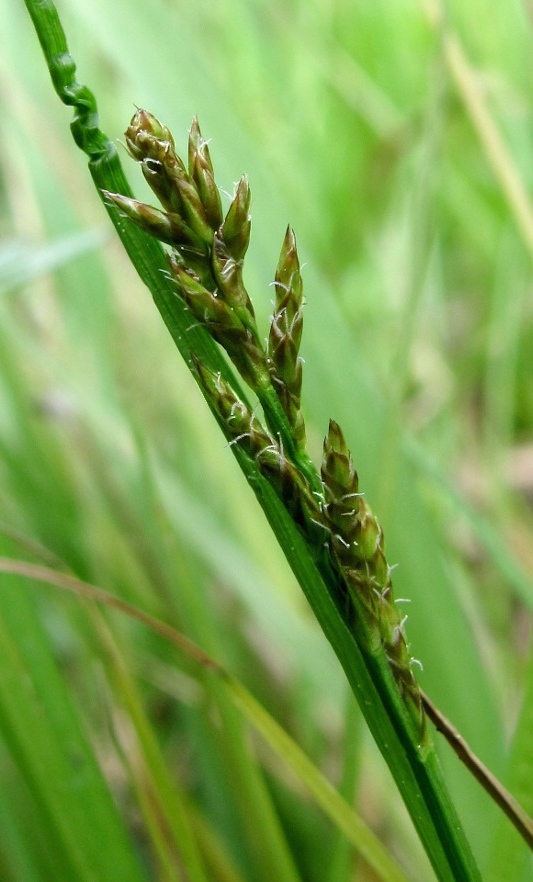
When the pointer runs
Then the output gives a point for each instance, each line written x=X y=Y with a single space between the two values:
x=191 y=206
x=285 y=336
x=239 y=421
x=223 y=323
x=246 y=431
x=206 y=264
x=201 y=172
x=358 y=554
x=194 y=145
x=207 y=308
x=143 y=129
x=152 y=145
x=341 y=492
x=292 y=487
x=208 y=192
x=156 y=176
x=338 y=474
x=168 y=227
x=288 y=276
x=235 y=230
x=228 y=276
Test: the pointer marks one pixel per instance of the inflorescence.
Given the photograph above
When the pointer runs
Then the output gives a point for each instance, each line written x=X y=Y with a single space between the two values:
x=206 y=264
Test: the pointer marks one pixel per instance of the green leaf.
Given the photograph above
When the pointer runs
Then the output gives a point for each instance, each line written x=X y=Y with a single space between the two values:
x=340 y=813
x=40 y=726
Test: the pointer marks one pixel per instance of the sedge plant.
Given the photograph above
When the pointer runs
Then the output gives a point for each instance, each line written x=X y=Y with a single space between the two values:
x=320 y=516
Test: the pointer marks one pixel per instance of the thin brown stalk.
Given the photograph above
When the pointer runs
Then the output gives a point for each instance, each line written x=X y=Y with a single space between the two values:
x=508 y=804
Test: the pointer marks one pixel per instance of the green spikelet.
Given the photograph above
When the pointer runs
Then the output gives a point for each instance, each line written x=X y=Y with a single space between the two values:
x=246 y=430
x=143 y=129
x=358 y=554
x=166 y=226
x=207 y=249
x=236 y=228
x=201 y=172
x=224 y=324
x=151 y=144
x=228 y=276
x=285 y=336
x=241 y=425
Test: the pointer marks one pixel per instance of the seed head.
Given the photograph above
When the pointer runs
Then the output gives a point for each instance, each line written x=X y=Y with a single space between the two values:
x=142 y=131
x=201 y=172
x=235 y=230
x=166 y=226
x=285 y=336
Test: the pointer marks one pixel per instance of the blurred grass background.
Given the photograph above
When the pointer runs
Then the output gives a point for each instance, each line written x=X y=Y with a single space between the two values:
x=396 y=138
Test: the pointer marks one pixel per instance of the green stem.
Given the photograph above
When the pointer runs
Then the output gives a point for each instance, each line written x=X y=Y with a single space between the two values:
x=279 y=426
x=413 y=765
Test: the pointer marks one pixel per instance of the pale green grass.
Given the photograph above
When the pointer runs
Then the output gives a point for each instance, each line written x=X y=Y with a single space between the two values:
x=352 y=124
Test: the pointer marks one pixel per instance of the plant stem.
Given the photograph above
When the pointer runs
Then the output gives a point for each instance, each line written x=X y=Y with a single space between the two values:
x=508 y=804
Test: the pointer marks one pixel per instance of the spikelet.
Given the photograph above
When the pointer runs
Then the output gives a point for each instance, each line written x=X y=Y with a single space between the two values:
x=285 y=335
x=245 y=430
x=357 y=551
x=207 y=249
